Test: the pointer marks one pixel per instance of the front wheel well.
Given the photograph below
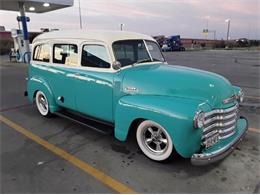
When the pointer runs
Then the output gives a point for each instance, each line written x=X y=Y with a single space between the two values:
x=133 y=127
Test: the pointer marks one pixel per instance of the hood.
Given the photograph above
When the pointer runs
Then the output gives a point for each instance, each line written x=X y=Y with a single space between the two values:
x=177 y=81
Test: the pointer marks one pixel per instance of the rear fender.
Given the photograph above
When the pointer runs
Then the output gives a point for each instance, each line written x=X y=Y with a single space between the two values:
x=35 y=84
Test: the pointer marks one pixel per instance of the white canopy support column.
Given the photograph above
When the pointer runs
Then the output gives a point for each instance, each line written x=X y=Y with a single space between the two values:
x=24 y=27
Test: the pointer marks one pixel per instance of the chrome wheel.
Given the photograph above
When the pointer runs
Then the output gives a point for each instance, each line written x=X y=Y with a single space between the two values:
x=42 y=103
x=154 y=140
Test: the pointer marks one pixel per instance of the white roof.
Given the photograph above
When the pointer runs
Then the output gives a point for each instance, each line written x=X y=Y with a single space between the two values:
x=101 y=35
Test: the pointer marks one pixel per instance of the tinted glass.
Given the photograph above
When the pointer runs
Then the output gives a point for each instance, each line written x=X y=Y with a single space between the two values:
x=42 y=53
x=130 y=51
x=95 y=56
x=65 y=54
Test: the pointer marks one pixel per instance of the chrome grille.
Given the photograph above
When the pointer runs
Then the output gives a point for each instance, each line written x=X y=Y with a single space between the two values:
x=219 y=122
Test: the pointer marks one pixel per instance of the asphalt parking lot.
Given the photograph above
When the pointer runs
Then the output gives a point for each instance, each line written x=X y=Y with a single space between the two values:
x=54 y=155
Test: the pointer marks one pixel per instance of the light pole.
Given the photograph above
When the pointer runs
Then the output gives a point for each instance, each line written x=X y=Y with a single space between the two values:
x=80 y=21
x=228 y=27
x=207 y=26
x=121 y=26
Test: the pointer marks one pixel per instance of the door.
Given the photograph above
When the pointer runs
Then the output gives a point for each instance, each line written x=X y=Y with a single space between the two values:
x=64 y=66
x=94 y=87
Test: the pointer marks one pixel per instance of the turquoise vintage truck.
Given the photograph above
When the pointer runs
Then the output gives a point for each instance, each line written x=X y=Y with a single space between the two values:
x=122 y=81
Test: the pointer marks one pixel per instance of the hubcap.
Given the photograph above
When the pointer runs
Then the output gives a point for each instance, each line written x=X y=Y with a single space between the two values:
x=155 y=140
x=43 y=103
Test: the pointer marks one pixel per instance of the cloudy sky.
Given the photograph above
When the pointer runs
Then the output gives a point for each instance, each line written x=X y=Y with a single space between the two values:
x=153 y=17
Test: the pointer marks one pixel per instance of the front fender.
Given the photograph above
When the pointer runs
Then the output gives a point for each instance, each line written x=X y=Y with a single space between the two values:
x=37 y=83
x=236 y=89
x=174 y=114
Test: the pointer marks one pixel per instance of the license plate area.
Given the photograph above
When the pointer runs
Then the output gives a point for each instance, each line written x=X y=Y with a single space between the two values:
x=212 y=140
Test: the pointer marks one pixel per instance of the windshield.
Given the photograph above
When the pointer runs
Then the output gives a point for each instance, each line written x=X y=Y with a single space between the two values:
x=129 y=52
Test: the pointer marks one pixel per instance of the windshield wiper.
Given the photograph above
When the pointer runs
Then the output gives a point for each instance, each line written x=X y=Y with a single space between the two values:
x=143 y=61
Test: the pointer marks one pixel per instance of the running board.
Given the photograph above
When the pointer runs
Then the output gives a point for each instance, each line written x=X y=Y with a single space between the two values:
x=95 y=124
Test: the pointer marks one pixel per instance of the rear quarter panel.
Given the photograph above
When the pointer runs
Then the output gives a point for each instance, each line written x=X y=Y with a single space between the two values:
x=37 y=81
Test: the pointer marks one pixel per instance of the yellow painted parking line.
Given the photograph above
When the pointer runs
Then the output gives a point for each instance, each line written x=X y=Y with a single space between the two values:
x=253 y=97
x=254 y=130
x=99 y=175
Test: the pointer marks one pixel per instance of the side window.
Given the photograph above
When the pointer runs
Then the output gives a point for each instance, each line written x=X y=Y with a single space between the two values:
x=42 y=53
x=155 y=51
x=95 y=56
x=65 y=54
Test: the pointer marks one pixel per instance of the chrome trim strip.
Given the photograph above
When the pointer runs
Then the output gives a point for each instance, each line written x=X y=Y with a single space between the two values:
x=220 y=132
x=219 y=125
x=211 y=133
x=220 y=118
x=221 y=111
x=230 y=99
x=228 y=135
x=227 y=130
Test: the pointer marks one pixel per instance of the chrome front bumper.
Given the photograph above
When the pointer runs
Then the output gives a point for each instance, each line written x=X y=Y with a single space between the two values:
x=221 y=150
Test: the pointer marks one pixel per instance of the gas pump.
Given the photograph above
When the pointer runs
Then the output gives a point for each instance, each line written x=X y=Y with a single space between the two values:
x=20 y=50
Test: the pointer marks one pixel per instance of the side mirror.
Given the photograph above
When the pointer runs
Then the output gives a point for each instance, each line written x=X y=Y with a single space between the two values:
x=116 y=65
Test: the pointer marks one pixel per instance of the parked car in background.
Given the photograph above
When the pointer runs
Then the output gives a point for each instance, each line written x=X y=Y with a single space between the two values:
x=121 y=80
x=242 y=42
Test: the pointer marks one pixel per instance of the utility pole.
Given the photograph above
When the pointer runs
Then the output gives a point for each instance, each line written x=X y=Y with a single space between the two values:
x=207 y=26
x=215 y=32
x=80 y=21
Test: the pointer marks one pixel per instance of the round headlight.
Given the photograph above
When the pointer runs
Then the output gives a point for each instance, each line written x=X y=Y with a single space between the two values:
x=199 y=119
x=241 y=96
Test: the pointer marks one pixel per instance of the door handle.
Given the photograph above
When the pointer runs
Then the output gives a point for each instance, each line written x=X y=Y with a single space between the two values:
x=79 y=76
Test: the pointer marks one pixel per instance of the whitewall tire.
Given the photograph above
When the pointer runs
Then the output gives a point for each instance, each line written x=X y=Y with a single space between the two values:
x=154 y=140
x=42 y=104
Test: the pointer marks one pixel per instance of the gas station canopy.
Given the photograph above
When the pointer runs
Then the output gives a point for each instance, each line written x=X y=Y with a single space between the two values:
x=35 y=6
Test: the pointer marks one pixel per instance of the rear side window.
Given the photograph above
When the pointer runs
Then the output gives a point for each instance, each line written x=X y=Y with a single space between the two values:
x=95 y=56
x=65 y=54
x=42 y=53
